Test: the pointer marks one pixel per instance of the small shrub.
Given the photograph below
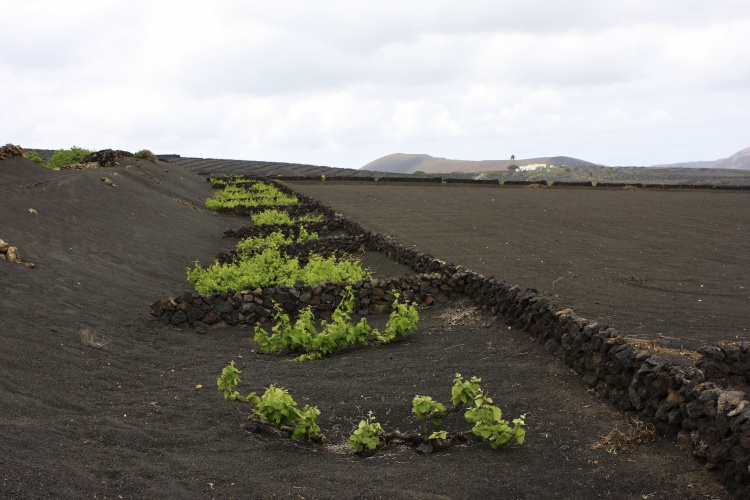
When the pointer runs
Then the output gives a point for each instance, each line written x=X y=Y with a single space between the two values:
x=368 y=436
x=33 y=156
x=64 y=157
x=145 y=154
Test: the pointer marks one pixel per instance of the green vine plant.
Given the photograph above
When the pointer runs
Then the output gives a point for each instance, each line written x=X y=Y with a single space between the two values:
x=220 y=182
x=249 y=195
x=272 y=216
x=487 y=420
x=275 y=408
x=257 y=244
x=270 y=267
x=303 y=338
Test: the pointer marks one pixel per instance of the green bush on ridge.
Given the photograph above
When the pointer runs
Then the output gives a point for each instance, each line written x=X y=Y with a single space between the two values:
x=64 y=157
x=34 y=156
x=145 y=154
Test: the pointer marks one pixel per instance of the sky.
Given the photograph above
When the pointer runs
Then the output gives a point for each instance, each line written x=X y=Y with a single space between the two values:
x=342 y=83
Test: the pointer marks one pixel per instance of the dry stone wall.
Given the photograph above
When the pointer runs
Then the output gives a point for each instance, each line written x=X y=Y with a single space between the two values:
x=701 y=405
x=10 y=151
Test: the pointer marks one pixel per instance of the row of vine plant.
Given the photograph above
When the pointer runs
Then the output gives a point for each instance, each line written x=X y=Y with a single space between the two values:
x=303 y=339
x=260 y=262
x=277 y=408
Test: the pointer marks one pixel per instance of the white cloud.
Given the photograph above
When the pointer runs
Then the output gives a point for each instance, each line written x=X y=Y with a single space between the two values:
x=339 y=83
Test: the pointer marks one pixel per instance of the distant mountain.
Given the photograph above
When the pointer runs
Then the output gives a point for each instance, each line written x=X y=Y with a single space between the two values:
x=400 y=163
x=738 y=161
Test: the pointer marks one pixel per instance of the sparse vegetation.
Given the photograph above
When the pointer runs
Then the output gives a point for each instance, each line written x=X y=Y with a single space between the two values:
x=465 y=394
x=617 y=441
x=88 y=339
x=34 y=156
x=145 y=154
x=278 y=409
x=64 y=157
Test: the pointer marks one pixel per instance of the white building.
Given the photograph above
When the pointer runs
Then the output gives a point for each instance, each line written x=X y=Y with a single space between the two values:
x=533 y=166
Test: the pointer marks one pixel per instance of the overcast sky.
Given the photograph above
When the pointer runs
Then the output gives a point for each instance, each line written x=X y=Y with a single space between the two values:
x=341 y=83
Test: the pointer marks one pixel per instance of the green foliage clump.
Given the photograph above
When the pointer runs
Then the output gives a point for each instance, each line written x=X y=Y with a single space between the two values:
x=279 y=217
x=64 y=157
x=303 y=337
x=271 y=217
x=220 y=182
x=271 y=268
x=145 y=154
x=34 y=156
x=249 y=195
x=403 y=320
x=425 y=407
x=368 y=435
x=250 y=246
x=275 y=407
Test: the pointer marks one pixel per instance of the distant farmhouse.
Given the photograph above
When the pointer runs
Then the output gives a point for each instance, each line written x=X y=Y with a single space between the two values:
x=533 y=166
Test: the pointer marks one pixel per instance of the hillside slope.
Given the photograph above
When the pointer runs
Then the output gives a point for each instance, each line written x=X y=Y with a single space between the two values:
x=410 y=163
x=738 y=161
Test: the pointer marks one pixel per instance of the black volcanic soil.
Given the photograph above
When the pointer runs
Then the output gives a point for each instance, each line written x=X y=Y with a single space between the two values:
x=141 y=418
x=664 y=264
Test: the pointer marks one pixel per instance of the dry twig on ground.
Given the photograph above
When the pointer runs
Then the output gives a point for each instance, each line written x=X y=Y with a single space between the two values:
x=640 y=432
x=89 y=339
